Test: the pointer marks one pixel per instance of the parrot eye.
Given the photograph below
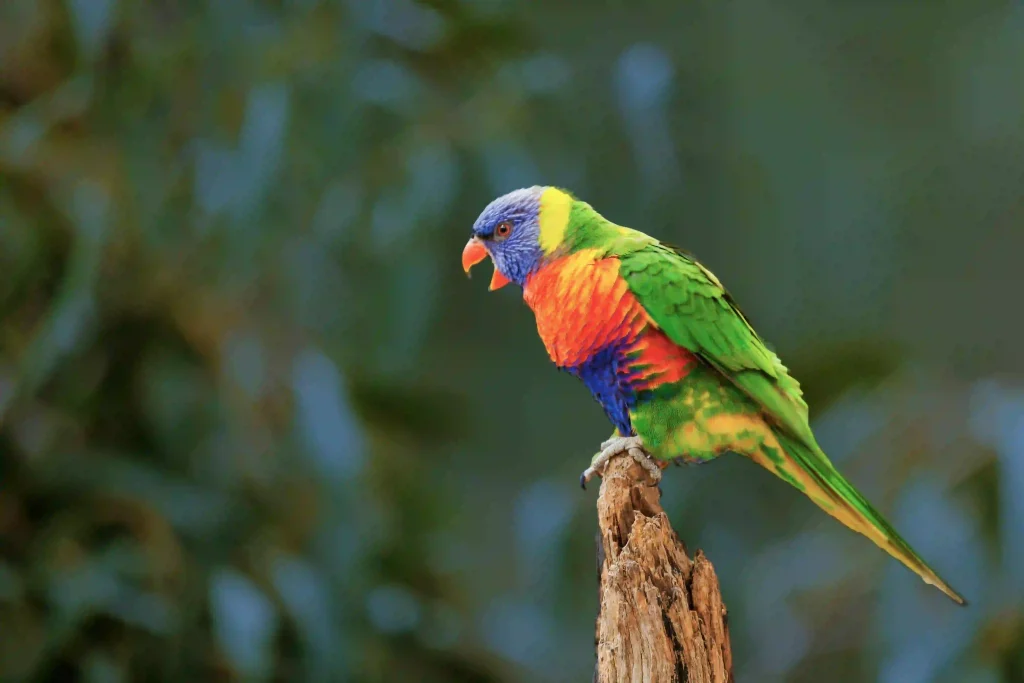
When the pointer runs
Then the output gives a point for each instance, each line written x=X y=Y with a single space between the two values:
x=502 y=230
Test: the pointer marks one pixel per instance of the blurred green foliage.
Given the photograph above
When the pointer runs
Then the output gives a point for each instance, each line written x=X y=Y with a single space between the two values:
x=254 y=424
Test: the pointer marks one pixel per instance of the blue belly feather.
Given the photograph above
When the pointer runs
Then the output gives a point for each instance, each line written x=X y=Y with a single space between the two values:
x=610 y=387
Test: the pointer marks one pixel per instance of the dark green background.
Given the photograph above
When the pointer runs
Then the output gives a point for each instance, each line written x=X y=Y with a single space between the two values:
x=256 y=425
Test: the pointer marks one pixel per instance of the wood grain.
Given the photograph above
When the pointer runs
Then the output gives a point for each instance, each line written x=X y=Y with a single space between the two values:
x=662 y=618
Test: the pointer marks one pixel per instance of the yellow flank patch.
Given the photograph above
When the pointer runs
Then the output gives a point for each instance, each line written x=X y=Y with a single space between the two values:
x=753 y=428
x=554 y=218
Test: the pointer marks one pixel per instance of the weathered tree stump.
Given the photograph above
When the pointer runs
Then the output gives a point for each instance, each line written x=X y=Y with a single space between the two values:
x=662 y=618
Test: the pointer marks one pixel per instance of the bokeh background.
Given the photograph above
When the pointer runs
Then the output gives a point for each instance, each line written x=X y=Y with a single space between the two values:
x=256 y=425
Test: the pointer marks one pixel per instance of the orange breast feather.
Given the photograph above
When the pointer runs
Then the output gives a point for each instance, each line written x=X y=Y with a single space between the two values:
x=583 y=307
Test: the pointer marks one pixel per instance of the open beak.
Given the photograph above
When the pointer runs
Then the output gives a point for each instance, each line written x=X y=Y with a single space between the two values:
x=474 y=253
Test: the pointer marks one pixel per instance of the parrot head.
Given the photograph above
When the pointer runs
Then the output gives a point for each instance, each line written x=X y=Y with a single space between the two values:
x=519 y=231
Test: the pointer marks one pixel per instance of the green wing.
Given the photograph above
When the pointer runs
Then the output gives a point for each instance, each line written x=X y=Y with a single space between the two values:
x=690 y=305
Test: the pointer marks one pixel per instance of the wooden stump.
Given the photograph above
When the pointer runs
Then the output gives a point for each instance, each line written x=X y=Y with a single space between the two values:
x=662 y=618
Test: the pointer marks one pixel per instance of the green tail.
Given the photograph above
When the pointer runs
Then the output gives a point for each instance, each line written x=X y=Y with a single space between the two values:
x=819 y=479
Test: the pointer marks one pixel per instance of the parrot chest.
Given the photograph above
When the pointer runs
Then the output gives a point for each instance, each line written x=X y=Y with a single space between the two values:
x=593 y=327
x=582 y=307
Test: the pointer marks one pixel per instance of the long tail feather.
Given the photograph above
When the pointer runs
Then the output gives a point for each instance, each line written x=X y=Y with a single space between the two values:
x=811 y=472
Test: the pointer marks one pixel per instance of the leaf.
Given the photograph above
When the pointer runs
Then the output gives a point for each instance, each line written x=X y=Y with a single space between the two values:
x=325 y=420
x=92 y=21
x=306 y=595
x=245 y=622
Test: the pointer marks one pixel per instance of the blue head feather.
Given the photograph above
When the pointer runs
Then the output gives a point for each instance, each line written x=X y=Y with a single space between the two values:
x=519 y=254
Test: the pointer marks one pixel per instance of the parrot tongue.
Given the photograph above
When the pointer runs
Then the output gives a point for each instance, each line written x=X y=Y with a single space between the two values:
x=474 y=253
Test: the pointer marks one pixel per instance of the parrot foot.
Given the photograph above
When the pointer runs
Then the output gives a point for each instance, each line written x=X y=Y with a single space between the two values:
x=633 y=445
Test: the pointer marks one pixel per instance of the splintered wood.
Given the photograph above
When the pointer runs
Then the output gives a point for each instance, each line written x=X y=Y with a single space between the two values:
x=662 y=618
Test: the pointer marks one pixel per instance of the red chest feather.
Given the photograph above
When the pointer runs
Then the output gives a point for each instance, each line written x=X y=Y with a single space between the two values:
x=583 y=307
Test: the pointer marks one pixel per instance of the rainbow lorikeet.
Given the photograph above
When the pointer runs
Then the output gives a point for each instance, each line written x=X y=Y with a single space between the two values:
x=664 y=349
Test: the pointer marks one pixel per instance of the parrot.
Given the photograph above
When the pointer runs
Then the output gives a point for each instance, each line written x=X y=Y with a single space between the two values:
x=664 y=349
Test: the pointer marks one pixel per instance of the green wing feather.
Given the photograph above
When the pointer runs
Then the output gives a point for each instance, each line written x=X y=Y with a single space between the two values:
x=690 y=305
x=688 y=302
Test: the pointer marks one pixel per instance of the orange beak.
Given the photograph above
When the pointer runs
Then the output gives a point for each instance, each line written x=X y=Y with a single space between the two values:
x=474 y=253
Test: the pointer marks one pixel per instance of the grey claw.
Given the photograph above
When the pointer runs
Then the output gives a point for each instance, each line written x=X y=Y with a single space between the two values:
x=632 y=445
x=646 y=462
x=587 y=475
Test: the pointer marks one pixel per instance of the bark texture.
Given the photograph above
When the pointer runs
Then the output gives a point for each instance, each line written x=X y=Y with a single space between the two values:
x=662 y=617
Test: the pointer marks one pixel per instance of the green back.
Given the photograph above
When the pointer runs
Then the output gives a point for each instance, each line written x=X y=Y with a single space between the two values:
x=690 y=305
